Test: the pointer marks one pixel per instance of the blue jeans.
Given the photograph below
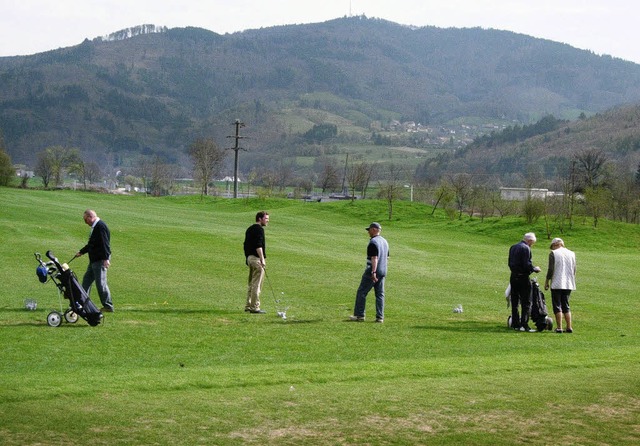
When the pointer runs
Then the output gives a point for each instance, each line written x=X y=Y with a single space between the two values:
x=98 y=273
x=366 y=284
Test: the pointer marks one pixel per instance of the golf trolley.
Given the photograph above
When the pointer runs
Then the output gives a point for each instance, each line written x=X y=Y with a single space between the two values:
x=539 y=313
x=69 y=287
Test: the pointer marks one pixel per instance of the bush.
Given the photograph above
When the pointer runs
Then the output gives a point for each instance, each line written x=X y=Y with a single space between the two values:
x=7 y=172
x=533 y=209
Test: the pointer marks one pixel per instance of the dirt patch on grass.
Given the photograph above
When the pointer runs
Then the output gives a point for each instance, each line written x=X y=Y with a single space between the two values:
x=615 y=406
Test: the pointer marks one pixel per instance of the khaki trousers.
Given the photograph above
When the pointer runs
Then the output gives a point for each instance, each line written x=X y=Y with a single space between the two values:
x=254 y=284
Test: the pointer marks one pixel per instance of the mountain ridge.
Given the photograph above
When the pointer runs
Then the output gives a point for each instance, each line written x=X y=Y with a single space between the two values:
x=157 y=92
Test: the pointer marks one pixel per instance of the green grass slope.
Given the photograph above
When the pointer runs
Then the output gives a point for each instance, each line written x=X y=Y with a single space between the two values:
x=181 y=363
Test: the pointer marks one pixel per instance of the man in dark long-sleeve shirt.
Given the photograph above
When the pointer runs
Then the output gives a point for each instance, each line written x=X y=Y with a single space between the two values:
x=521 y=266
x=99 y=249
x=255 y=254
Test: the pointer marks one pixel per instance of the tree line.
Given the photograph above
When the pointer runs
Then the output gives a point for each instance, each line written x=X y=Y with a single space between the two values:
x=590 y=185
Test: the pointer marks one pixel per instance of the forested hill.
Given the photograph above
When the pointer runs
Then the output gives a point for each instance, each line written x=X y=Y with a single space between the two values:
x=542 y=153
x=156 y=92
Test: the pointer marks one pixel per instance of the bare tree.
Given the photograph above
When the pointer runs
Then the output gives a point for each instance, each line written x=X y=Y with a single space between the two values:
x=268 y=180
x=358 y=177
x=367 y=173
x=484 y=200
x=626 y=197
x=329 y=178
x=91 y=173
x=597 y=200
x=52 y=163
x=392 y=188
x=590 y=168
x=207 y=162
x=284 y=175
x=462 y=188
x=143 y=171
x=444 y=193
x=76 y=165
x=157 y=175
x=44 y=168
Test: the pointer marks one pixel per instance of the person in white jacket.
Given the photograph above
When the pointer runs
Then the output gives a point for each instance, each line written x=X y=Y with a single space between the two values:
x=561 y=275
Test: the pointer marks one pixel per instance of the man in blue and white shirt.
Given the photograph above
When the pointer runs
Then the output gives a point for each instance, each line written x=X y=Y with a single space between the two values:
x=374 y=274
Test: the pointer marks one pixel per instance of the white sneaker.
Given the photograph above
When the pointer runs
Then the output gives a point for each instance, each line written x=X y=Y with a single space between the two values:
x=356 y=318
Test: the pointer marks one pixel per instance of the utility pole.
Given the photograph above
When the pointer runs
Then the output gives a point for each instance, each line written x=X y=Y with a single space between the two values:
x=344 y=175
x=572 y=180
x=236 y=148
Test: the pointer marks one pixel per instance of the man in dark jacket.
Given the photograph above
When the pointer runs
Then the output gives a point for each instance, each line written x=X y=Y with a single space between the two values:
x=521 y=266
x=99 y=249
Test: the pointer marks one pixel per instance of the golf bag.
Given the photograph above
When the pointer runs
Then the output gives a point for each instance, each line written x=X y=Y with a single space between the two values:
x=539 y=313
x=65 y=279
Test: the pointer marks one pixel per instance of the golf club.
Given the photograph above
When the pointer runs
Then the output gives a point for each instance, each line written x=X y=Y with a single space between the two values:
x=282 y=314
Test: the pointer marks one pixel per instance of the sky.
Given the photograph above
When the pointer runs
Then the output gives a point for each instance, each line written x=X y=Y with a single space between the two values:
x=601 y=26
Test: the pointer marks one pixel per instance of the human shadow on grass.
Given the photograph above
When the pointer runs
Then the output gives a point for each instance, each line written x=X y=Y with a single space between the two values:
x=23 y=324
x=301 y=321
x=173 y=310
x=15 y=320
x=216 y=312
x=467 y=326
x=42 y=323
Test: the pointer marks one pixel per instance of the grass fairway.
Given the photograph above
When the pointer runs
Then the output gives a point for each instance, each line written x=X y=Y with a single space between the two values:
x=180 y=363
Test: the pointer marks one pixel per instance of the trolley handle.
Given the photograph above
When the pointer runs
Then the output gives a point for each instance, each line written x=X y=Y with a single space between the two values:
x=53 y=258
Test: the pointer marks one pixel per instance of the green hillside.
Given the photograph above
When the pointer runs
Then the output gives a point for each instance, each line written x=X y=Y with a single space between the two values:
x=153 y=94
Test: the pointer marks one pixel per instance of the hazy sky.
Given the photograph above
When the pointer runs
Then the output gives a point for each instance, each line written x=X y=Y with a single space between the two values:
x=602 y=26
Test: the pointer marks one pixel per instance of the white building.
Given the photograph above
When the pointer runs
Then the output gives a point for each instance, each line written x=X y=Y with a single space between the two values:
x=522 y=193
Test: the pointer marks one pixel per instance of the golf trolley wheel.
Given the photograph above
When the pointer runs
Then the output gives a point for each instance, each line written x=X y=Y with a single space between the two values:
x=70 y=316
x=54 y=319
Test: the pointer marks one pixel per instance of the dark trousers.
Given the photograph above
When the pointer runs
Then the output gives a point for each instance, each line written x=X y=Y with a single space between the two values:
x=520 y=295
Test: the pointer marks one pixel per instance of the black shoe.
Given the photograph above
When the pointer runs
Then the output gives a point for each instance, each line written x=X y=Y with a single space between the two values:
x=257 y=311
x=106 y=310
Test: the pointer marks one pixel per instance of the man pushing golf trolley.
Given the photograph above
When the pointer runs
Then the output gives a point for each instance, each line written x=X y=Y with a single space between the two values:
x=67 y=283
